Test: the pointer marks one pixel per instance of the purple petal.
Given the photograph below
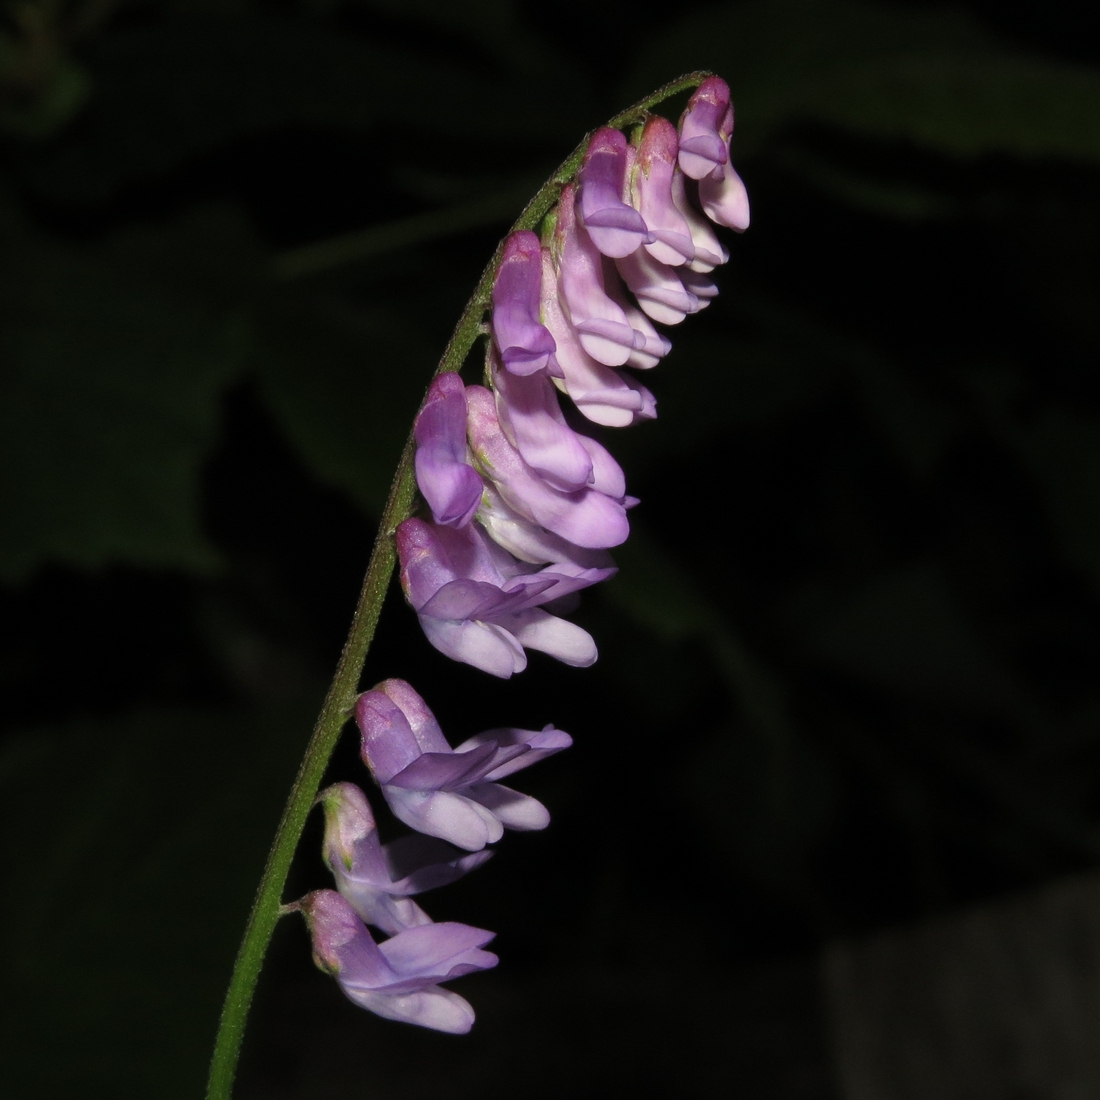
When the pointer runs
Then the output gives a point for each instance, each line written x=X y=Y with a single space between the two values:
x=709 y=250
x=651 y=190
x=433 y=949
x=525 y=346
x=600 y=323
x=425 y=568
x=532 y=419
x=464 y=599
x=586 y=518
x=387 y=740
x=447 y=815
x=420 y=863
x=658 y=288
x=450 y=485
x=433 y=1007
x=419 y=716
x=376 y=906
x=703 y=148
x=528 y=541
x=539 y=744
x=341 y=943
x=537 y=629
x=607 y=474
x=484 y=645
x=351 y=837
x=512 y=809
x=725 y=200
x=451 y=771
x=616 y=229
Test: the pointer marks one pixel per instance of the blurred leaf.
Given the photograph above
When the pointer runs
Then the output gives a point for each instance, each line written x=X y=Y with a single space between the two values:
x=186 y=86
x=132 y=848
x=110 y=400
x=904 y=631
x=1062 y=451
x=935 y=78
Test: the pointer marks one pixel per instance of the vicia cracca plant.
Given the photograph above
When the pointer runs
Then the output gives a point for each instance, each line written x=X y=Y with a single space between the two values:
x=520 y=511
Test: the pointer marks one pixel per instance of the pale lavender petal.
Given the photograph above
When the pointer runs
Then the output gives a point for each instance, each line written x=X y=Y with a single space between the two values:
x=512 y=809
x=524 y=345
x=703 y=148
x=701 y=285
x=616 y=229
x=387 y=740
x=450 y=485
x=586 y=518
x=450 y=771
x=447 y=815
x=650 y=346
x=537 y=629
x=484 y=645
x=528 y=541
x=651 y=191
x=725 y=200
x=433 y=1007
x=532 y=420
x=601 y=325
x=463 y=599
x=709 y=250
x=658 y=288
x=420 y=863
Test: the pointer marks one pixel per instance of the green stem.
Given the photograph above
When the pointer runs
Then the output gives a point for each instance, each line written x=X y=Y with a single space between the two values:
x=340 y=700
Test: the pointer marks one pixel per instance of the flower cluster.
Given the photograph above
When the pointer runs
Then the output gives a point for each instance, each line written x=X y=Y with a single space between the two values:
x=454 y=799
x=524 y=508
x=523 y=512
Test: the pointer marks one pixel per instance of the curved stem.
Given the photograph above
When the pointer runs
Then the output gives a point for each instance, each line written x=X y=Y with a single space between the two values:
x=340 y=700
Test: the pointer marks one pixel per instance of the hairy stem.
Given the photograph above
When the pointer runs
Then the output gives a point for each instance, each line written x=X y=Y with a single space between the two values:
x=340 y=700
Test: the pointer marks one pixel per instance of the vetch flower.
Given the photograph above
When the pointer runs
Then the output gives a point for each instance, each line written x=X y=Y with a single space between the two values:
x=399 y=978
x=443 y=792
x=651 y=192
x=658 y=288
x=616 y=228
x=703 y=149
x=593 y=517
x=523 y=343
x=377 y=878
x=451 y=486
x=709 y=250
x=601 y=324
x=479 y=605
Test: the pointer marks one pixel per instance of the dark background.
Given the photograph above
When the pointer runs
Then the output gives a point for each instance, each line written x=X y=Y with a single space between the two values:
x=847 y=670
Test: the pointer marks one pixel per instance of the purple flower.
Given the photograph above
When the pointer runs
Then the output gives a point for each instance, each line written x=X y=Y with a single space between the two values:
x=724 y=199
x=443 y=792
x=651 y=192
x=399 y=978
x=524 y=345
x=602 y=394
x=377 y=878
x=658 y=288
x=709 y=250
x=616 y=229
x=531 y=418
x=703 y=149
x=593 y=517
x=451 y=486
x=601 y=324
x=478 y=605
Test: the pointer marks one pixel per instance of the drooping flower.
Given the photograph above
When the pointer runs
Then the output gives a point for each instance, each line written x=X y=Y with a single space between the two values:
x=658 y=288
x=702 y=148
x=479 y=605
x=443 y=792
x=451 y=486
x=593 y=517
x=377 y=879
x=398 y=978
x=601 y=324
x=523 y=343
x=651 y=192
x=616 y=228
